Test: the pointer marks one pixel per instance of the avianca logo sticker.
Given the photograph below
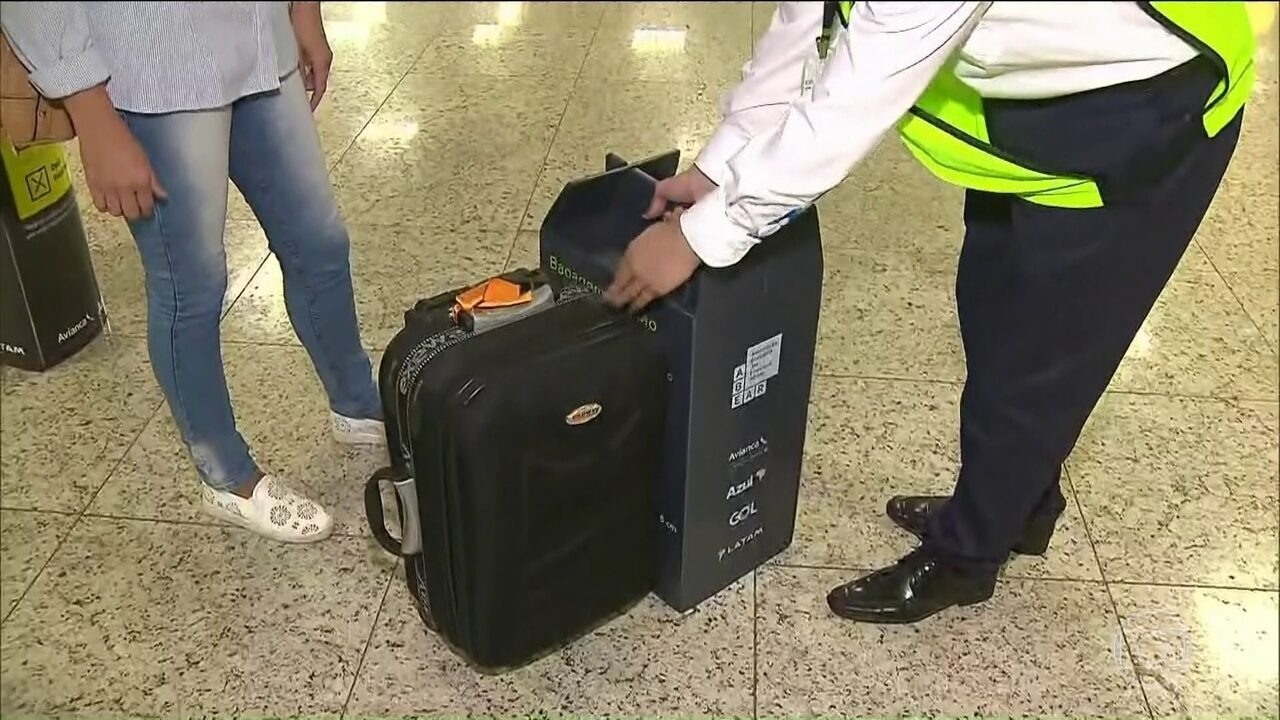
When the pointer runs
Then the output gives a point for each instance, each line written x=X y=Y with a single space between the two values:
x=74 y=330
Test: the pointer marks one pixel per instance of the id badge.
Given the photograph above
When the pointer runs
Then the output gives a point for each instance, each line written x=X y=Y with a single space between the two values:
x=809 y=75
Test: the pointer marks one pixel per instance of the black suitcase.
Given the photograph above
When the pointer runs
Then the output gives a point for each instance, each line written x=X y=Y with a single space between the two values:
x=526 y=450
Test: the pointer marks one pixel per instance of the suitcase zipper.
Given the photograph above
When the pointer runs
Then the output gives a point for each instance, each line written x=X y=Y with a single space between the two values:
x=422 y=354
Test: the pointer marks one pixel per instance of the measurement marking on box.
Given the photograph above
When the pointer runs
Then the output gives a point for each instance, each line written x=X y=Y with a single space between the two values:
x=751 y=378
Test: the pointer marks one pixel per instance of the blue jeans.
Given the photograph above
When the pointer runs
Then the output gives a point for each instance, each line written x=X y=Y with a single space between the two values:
x=267 y=145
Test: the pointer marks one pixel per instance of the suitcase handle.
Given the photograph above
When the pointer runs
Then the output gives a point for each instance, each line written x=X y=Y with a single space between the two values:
x=375 y=513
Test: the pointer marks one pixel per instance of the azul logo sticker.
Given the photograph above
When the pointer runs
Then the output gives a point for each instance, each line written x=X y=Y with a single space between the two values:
x=583 y=414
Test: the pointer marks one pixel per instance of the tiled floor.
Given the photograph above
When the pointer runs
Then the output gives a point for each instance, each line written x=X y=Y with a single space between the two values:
x=450 y=128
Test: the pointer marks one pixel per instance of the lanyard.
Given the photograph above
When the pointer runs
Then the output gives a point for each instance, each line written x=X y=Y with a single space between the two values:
x=828 y=20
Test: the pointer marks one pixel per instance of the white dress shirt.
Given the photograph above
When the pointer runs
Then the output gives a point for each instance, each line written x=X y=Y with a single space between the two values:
x=776 y=151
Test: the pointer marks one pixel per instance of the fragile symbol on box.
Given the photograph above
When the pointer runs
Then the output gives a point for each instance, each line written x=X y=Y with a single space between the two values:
x=751 y=378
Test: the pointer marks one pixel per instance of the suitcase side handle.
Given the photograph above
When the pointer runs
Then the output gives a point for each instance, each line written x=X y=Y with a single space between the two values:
x=375 y=513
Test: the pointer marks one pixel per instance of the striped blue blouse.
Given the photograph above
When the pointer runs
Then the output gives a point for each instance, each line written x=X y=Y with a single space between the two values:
x=156 y=57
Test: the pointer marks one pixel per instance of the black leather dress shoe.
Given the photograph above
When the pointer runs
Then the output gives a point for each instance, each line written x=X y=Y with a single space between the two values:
x=910 y=590
x=911 y=513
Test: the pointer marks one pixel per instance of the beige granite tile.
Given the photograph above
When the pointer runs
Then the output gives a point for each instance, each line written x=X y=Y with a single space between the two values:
x=374 y=38
x=481 y=20
x=1195 y=266
x=352 y=98
x=237 y=207
x=889 y=315
x=649 y=662
x=507 y=51
x=525 y=252
x=636 y=120
x=259 y=314
x=27 y=541
x=393 y=266
x=452 y=152
x=890 y=202
x=62 y=431
x=1204 y=653
x=695 y=44
x=1038 y=648
x=870 y=440
x=714 y=18
x=283 y=415
x=1181 y=490
x=1259 y=292
x=1198 y=341
x=154 y=619
x=374 y=45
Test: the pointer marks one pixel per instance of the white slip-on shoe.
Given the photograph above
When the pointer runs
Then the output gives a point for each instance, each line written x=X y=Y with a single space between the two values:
x=358 y=431
x=274 y=511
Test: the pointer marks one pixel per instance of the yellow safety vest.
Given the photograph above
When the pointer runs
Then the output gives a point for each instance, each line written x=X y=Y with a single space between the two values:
x=946 y=130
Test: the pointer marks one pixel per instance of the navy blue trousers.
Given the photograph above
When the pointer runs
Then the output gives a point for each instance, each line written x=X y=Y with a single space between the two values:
x=1050 y=299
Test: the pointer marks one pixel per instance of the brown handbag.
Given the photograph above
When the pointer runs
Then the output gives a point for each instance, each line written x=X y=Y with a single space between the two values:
x=26 y=117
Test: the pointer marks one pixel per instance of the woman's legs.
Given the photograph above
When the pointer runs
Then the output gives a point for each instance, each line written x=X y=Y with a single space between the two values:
x=186 y=279
x=182 y=251
x=277 y=163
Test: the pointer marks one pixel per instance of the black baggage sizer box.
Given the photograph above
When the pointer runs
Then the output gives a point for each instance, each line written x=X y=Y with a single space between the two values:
x=740 y=351
x=50 y=304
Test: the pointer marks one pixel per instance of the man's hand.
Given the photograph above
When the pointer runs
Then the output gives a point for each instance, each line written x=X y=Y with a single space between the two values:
x=658 y=261
x=116 y=168
x=684 y=189
x=314 y=56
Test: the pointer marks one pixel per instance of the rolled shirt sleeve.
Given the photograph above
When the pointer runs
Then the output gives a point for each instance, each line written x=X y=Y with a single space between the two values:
x=876 y=70
x=52 y=39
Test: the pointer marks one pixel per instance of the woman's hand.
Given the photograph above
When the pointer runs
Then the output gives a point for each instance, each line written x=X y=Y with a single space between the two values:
x=116 y=167
x=314 y=56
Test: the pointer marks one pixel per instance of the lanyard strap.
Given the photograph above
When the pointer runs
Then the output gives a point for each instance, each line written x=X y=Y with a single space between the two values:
x=829 y=10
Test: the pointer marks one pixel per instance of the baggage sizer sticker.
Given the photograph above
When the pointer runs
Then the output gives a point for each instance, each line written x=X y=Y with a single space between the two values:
x=751 y=378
